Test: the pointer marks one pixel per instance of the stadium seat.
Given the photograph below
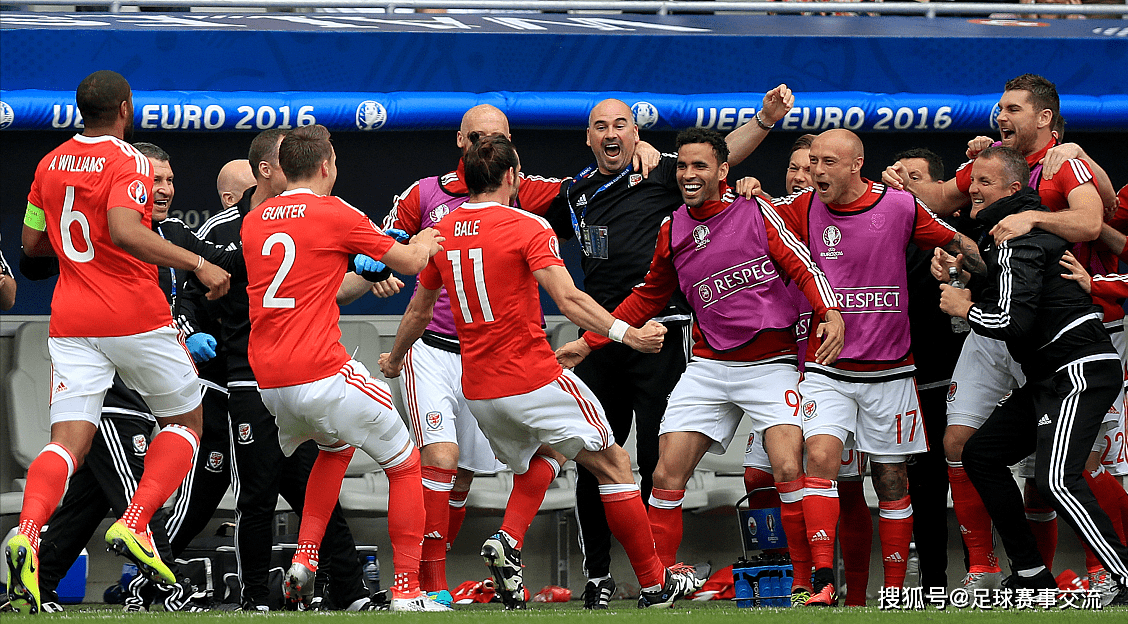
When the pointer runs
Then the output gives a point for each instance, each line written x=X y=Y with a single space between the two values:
x=27 y=394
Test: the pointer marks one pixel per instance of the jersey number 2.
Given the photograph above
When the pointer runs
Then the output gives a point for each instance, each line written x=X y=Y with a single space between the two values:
x=455 y=257
x=270 y=300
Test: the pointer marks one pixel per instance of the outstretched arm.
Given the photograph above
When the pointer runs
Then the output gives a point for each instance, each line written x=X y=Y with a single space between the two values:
x=415 y=320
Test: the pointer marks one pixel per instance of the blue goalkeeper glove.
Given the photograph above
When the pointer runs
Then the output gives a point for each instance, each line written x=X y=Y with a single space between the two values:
x=399 y=235
x=371 y=270
x=201 y=346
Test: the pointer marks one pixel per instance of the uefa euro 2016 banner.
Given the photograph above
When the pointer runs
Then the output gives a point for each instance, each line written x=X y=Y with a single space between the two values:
x=813 y=112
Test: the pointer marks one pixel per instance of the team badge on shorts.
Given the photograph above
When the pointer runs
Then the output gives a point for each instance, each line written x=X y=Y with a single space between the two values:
x=215 y=462
x=809 y=410
x=140 y=445
x=138 y=193
x=434 y=421
x=245 y=434
x=951 y=392
x=751 y=441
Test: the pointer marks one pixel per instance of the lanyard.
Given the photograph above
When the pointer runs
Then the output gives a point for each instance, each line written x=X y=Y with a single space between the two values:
x=576 y=223
x=171 y=270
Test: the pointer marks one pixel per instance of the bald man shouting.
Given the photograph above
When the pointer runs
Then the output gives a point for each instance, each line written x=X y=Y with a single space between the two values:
x=857 y=231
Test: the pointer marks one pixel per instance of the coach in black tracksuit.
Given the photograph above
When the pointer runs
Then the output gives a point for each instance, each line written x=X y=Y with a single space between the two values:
x=260 y=471
x=1054 y=332
x=113 y=467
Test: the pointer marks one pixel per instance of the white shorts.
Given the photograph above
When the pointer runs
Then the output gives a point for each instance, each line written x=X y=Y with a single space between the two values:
x=1113 y=443
x=350 y=406
x=884 y=416
x=431 y=386
x=711 y=397
x=984 y=374
x=154 y=363
x=563 y=414
x=853 y=462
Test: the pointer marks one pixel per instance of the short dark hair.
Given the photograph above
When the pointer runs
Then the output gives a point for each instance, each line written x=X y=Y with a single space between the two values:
x=935 y=163
x=264 y=147
x=709 y=137
x=487 y=161
x=303 y=150
x=152 y=151
x=1014 y=165
x=1043 y=93
x=803 y=142
x=1059 y=127
x=99 y=96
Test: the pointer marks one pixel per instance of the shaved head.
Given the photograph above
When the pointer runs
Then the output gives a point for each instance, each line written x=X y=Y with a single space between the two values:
x=234 y=179
x=842 y=142
x=611 y=109
x=481 y=120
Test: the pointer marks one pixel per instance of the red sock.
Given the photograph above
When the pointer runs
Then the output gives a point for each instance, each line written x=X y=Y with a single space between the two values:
x=666 y=523
x=46 y=481
x=1043 y=523
x=855 y=538
x=626 y=517
x=326 y=475
x=756 y=479
x=167 y=462
x=527 y=496
x=790 y=495
x=1108 y=492
x=457 y=514
x=975 y=522
x=895 y=528
x=406 y=519
x=437 y=483
x=820 y=512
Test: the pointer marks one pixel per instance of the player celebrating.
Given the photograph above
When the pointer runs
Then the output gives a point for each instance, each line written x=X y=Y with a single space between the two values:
x=90 y=205
x=723 y=252
x=858 y=232
x=525 y=404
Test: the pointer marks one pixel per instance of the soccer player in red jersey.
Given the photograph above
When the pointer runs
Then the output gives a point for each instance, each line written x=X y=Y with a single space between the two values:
x=91 y=205
x=297 y=248
x=535 y=415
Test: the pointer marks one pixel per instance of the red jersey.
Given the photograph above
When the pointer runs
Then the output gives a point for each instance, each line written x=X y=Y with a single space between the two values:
x=928 y=232
x=535 y=196
x=297 y=247
x=1110 y=287
x=487 y=265
x=102 y=290
x=1055 y=192
x=652 y=296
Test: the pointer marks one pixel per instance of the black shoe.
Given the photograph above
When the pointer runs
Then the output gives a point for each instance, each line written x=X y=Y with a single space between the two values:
x=1121 y=598
x=504 y=561
x=1041 y=580
x=597 y=595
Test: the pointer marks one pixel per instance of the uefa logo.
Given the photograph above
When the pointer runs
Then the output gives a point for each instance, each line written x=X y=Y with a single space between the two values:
x=371 y=115
x=7 y=115
x=832 y=236
x=646 y=115
x=704 y=293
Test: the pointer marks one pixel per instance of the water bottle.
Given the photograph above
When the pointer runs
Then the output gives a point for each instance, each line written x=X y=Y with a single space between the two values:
x=372 y=574
x=959 y=323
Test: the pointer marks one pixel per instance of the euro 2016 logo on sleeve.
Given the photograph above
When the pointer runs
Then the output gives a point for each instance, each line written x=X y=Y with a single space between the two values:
x=832 y=236
x=7 y=115
x=554 y=247
x=701 y=236
x=246 y=436
x=645 y=114
x=140 y=445
x=434 y=421
x=951 y=392
x=809 y=410
x=371 y=115
x=138 y=193
x=215 y=462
